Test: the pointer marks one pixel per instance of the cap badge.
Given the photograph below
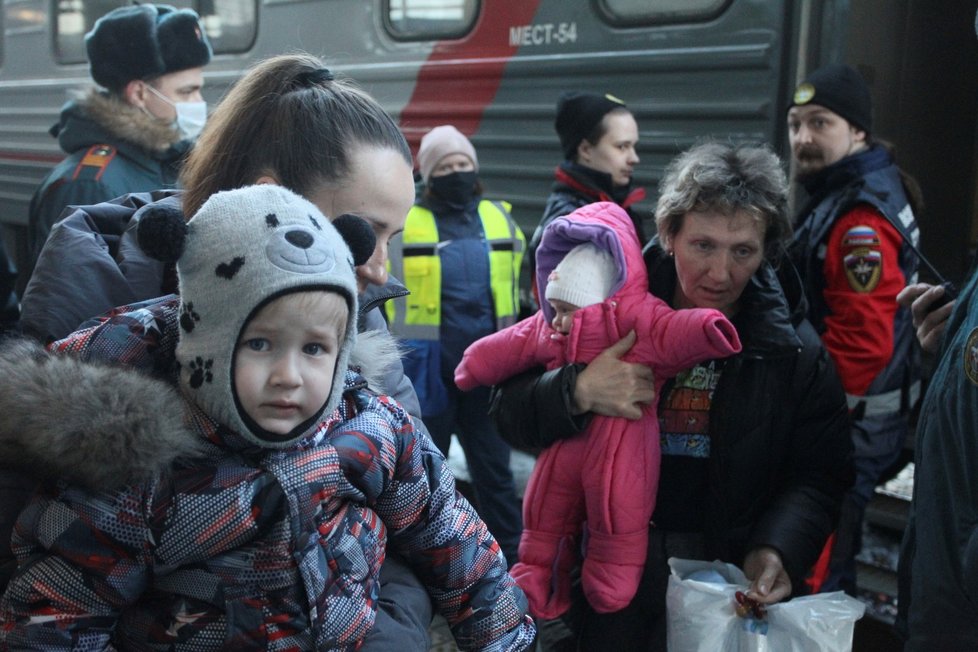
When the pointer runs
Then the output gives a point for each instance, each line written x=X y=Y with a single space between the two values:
x=804 y=93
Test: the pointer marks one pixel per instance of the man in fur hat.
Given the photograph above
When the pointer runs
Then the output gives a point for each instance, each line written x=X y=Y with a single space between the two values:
x=130 y=134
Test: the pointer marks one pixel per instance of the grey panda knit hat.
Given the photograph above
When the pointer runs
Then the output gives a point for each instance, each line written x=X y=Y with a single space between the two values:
x=241 y=250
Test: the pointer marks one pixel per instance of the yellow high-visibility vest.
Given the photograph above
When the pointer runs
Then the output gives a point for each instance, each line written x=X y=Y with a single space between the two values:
x=416 y=263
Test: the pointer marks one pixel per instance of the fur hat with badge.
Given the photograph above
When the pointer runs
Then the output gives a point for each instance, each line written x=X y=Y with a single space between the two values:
x=241 y=250
x=441 y=142
x=840 y=89
x=143 y=42
x=578 y=114
x=583 y=278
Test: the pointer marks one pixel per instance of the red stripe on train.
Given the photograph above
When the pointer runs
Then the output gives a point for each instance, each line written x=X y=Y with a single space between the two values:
x=24 y=156
x=441 y=96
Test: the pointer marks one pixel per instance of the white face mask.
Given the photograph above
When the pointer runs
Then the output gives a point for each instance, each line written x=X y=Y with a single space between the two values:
x=191 y=116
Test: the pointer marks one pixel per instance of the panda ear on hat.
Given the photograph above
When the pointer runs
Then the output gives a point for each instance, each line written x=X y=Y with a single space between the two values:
x=359 y=237
x=162 y=232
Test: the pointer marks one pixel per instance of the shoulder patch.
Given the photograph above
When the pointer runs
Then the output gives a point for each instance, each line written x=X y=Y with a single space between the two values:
x=971 y=357
x=97 y=157
x=862 y=258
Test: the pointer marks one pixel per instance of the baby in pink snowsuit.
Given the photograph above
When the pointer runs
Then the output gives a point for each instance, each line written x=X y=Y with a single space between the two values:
x=607 y=477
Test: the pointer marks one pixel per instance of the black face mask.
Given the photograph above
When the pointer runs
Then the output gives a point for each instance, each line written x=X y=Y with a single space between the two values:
x=455 y=188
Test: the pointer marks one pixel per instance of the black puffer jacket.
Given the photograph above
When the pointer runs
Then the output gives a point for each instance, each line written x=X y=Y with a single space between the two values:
x=781 y=457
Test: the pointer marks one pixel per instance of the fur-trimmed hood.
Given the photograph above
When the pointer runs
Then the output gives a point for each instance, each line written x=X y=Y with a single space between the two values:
x=103 y=117
x=375 y=354
x=91 y=424
x=103 y=426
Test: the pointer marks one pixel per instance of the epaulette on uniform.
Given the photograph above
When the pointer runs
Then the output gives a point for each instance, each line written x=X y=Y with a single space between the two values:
x=94 y=162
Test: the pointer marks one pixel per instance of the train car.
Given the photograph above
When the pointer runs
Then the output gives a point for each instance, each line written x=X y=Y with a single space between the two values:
x=688 y=69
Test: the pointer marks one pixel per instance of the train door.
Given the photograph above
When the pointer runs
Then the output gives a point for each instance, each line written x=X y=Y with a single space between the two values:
x=920 y=60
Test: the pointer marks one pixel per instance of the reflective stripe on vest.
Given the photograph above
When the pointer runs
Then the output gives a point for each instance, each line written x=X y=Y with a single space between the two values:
x=417 y=264
x=875 y=405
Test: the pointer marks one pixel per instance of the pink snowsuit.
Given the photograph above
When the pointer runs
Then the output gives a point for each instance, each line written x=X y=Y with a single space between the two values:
x=607 y=476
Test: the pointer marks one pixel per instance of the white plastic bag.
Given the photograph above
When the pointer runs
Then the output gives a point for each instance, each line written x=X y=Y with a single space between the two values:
x=701 y=615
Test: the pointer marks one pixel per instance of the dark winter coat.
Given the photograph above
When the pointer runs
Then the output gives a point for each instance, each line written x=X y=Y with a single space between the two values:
x=112 y=148
x=939 y=558
x=166 y=530
x=144 y=337
x=780 y=454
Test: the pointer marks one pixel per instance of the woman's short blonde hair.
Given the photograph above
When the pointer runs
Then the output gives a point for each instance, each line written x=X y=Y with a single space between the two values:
x=726 y=179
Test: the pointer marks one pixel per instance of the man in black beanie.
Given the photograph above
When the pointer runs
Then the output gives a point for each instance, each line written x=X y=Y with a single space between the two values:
x=598 y=135
x=850 y=247
x=130 y=135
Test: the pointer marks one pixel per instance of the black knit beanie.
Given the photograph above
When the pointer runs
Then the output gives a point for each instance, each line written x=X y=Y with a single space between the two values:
x=578 y=114
x=840 y=89
x=143 y=42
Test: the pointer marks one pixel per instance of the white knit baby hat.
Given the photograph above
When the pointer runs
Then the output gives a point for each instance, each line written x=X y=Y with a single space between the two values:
x=584 y=276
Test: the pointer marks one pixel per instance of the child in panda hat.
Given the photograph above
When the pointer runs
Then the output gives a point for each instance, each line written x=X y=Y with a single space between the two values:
x=256 y=511
x=590 y=270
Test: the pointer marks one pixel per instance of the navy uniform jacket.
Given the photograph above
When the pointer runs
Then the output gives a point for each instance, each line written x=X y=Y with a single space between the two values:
x=939 y=558
x=113 y=149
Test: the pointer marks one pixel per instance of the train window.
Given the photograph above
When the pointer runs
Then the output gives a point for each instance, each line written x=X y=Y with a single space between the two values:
x=426 y=20
x=19 y=17
x=231 y=25
x=644 y=12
